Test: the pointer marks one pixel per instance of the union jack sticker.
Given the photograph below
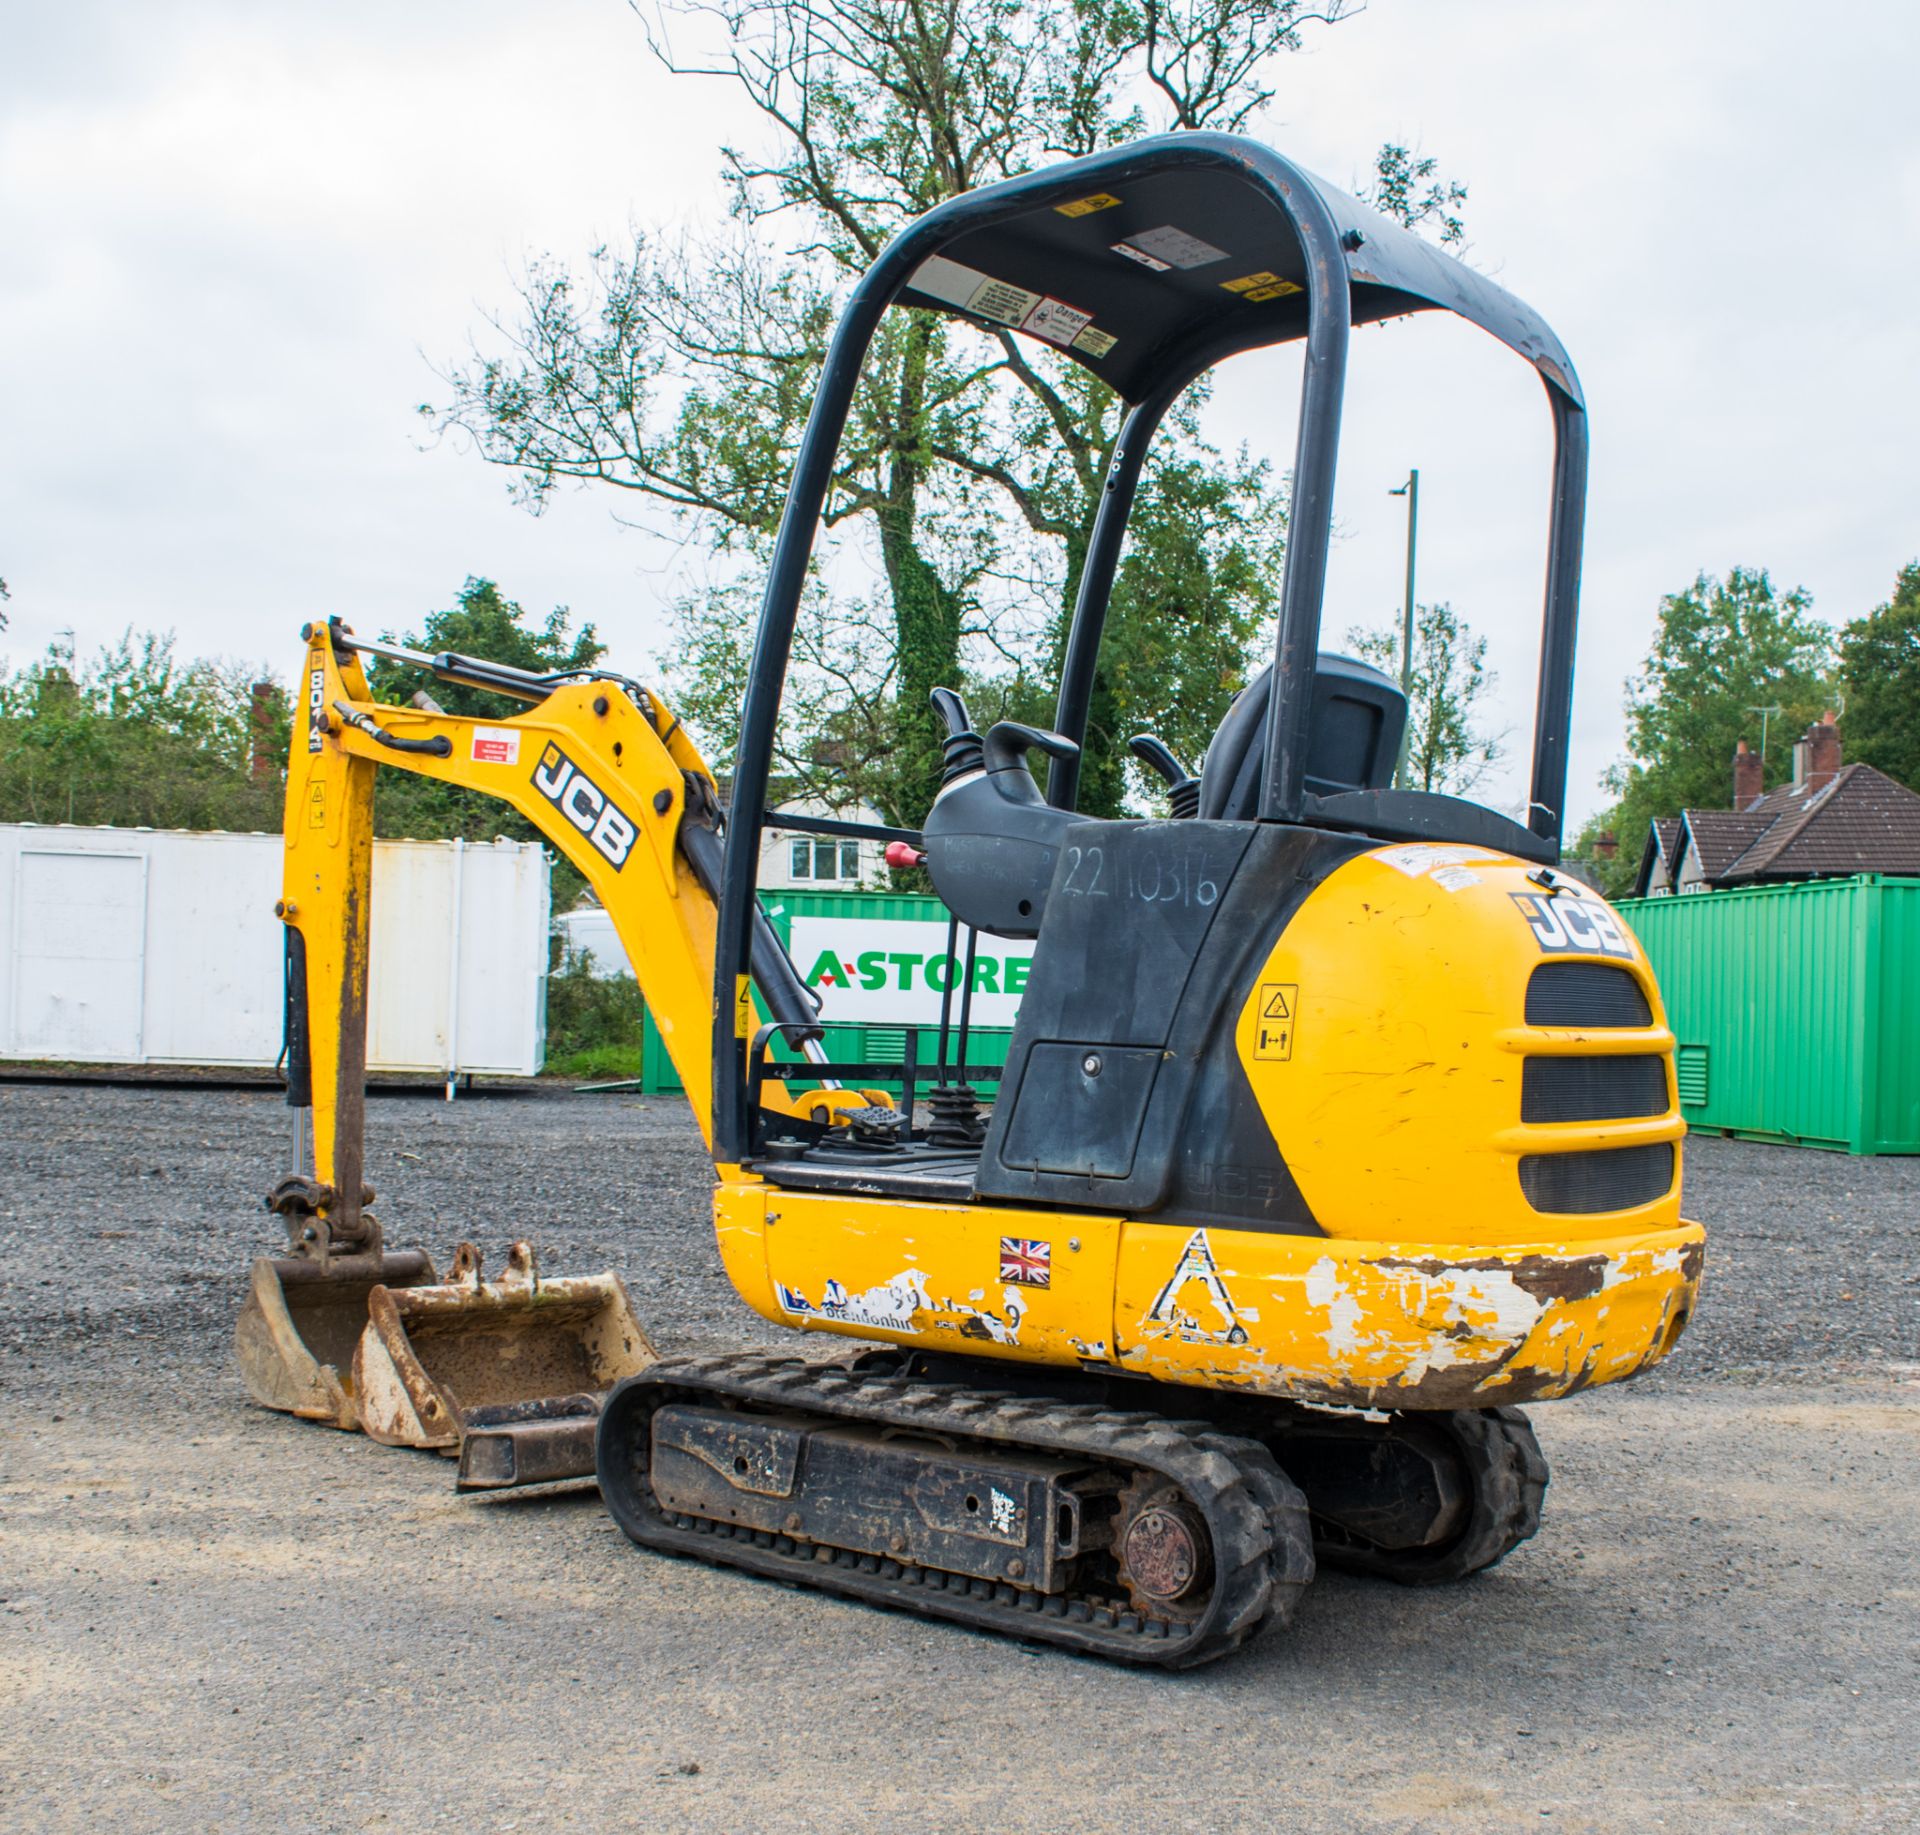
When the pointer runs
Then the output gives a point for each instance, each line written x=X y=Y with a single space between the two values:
x=1026 y=1261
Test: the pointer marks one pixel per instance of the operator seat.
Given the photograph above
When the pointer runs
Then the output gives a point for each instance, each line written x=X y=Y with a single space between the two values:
x=1359 y=714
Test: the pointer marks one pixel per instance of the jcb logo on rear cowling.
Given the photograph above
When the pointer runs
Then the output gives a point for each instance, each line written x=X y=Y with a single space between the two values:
x=1565 y=926
x=584 y=804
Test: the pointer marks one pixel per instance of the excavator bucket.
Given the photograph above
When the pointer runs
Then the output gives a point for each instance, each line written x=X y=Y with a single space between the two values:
x=512 y=1372
x=296 y=1335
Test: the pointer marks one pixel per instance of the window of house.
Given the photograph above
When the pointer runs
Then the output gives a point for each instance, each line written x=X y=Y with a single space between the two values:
x=824 y=860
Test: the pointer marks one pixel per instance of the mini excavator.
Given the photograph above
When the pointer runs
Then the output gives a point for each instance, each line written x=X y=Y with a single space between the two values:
x=1337 y=1121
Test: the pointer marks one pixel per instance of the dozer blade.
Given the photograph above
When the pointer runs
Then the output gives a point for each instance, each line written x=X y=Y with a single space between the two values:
x=513 y=1371
x=296 y=1334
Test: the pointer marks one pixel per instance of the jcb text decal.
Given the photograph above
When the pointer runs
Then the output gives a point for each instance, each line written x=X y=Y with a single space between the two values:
x=584 y=804
x=1565 y=926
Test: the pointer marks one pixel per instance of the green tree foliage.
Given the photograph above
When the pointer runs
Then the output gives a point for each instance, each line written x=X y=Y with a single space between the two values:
x=1410 y=189
x=134 y=737
x=594 y=1022
x=1880 y=667
x=1723 y=648
x=681 y=370
x=1447 y=748
x=480 y=622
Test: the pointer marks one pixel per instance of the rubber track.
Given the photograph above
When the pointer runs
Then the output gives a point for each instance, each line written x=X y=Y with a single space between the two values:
x=1508 y=1473
x=1256 y=1517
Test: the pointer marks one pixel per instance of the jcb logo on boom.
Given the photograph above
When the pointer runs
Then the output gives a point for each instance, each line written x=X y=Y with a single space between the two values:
x=584 y=804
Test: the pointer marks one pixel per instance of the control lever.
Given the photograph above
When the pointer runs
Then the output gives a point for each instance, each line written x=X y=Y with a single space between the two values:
x=1008 y=743
x=962 y=749
x=1183 y=788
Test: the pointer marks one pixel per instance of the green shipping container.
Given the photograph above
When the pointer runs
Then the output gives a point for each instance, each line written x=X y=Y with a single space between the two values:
x=1796 y=1009
x=846 y=1044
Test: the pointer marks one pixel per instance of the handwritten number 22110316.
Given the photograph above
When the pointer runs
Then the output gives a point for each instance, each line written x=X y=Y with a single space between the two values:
x=1173 y=881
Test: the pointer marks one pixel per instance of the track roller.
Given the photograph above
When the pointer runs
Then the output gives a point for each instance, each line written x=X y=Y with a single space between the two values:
x=1128 y=1536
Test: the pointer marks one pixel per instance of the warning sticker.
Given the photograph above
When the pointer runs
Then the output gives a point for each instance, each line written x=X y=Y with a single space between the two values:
x=1168 y=247
x=1279 y=291
x=1056 y=321
x=1085 y=207
x=1170 y=1309
x=1095 y=342
x=1002 y=300
x=972 y=291
x=1417 y=857
x=742 y=1006
x=317 y=806
x=1279 y=1002
x=495 y=746
x=1247 y=282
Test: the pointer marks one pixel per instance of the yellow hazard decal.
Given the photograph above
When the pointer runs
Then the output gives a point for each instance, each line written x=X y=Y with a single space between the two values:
x=1279 y=1002
x=1085 y=207
x=743 y=1006
x=1261 y=286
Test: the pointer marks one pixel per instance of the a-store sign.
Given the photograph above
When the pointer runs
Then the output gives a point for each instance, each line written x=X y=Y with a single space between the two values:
x=893 y=971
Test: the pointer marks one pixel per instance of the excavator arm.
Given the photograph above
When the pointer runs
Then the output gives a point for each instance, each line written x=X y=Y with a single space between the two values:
x=339 y=1329
x=605 y=772
x=606 y=781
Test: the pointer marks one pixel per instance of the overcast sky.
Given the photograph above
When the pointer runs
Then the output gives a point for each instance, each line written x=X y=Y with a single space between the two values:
x=232 y=234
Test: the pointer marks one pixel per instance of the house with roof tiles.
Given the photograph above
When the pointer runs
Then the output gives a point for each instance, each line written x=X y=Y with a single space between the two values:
x=1832 y=821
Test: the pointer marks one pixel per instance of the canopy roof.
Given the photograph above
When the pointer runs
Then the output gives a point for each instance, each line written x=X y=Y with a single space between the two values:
x=1181 y=255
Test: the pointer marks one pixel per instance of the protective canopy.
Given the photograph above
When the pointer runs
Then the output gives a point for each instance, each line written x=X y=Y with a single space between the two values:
x=1183 y=265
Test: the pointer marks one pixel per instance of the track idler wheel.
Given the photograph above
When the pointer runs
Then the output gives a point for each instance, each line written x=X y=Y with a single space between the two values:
x=1466 y=1489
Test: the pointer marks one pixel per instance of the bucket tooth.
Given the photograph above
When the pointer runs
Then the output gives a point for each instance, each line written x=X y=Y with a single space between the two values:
x=523 y=1359
x=296 y=1335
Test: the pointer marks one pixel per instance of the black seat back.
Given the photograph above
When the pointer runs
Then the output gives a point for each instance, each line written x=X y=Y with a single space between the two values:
x=1359 y=715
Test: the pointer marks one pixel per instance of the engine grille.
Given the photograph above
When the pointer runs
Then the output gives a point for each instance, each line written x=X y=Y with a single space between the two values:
x=1592 y=1089
x=1585 y=994
x=1609 y=1179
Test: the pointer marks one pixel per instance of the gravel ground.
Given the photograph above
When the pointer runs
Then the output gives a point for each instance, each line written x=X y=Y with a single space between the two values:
x=211 y=1617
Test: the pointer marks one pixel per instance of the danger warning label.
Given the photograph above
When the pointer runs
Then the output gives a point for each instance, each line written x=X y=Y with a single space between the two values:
x=495 y=746
x=1273 y=1029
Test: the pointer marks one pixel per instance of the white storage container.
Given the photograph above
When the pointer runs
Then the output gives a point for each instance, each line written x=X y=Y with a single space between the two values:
x=148 y=946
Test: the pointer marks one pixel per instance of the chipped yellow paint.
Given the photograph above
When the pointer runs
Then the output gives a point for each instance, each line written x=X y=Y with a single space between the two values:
x=1429 y=1325
x=925 y=1274
x=1378 y=1324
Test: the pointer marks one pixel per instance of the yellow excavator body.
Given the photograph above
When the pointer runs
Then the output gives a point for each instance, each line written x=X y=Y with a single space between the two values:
x=1386 y=1041
x=1337 y=1119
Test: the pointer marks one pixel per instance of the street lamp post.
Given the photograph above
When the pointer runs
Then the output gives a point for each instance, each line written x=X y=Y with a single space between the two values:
x=1411 y=492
